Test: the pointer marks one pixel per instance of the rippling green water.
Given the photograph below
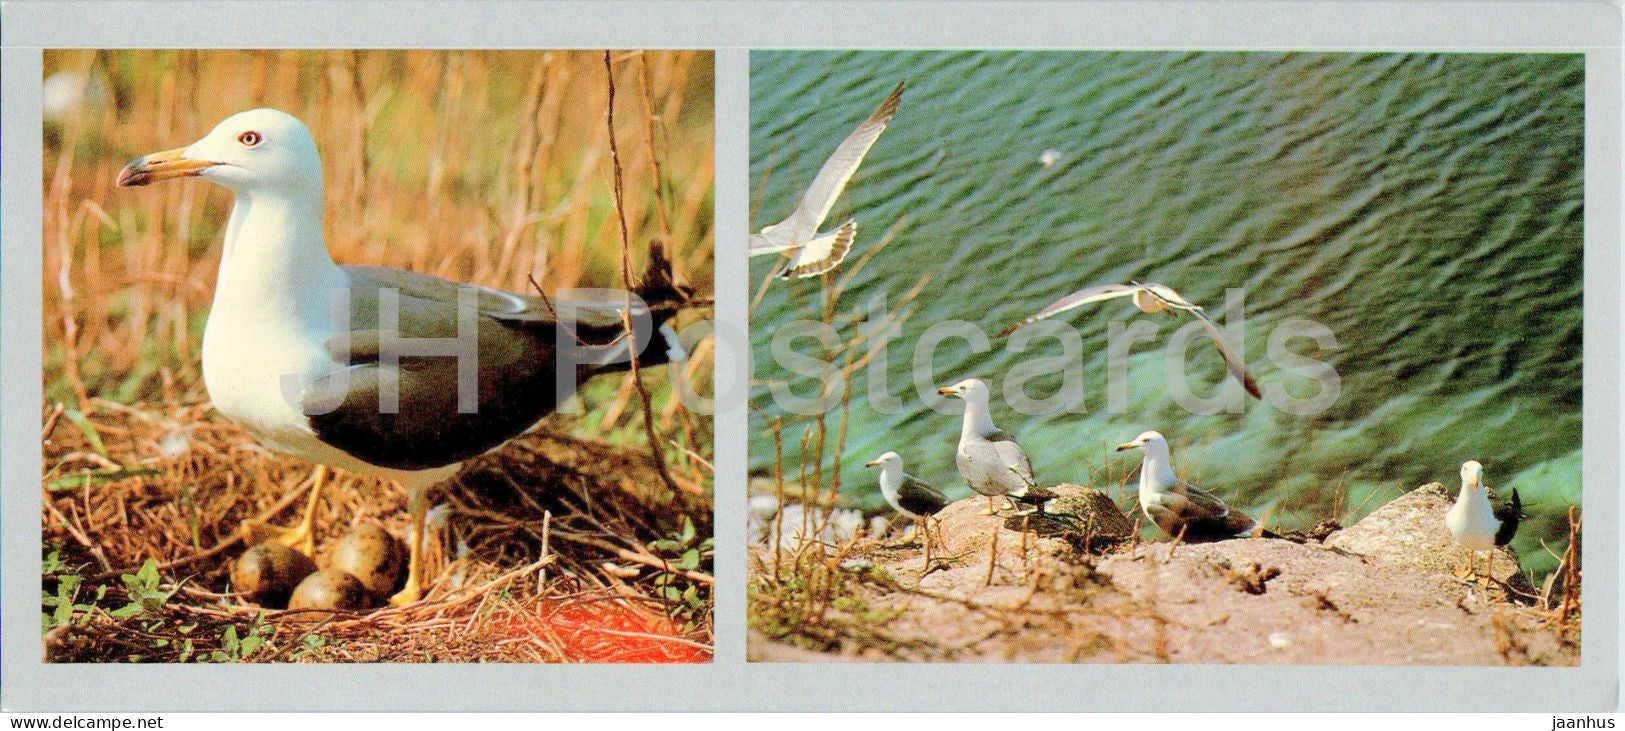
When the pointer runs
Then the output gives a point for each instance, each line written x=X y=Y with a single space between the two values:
x=1425 y=208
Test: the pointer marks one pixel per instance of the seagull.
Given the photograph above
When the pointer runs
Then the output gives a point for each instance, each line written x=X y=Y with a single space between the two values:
x=988 y=458
x=1477 y=523
x=1179 y=508
x=909 y=495
x=280 y=359
x=806 y=252
x=1151 y=298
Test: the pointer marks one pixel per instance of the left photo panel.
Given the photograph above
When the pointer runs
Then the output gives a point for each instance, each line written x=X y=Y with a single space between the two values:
x=377 y=356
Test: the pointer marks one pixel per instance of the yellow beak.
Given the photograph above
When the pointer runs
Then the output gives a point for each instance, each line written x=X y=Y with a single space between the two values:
x=946 y=391
x=160 y=166
x=871 y=463
x=1126 y=446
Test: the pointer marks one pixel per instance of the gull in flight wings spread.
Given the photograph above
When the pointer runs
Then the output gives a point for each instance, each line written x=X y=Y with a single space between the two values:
x=1151 y=298
x=806 y=252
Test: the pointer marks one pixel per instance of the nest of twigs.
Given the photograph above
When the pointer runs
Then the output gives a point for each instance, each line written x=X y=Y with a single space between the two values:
x=552 y=549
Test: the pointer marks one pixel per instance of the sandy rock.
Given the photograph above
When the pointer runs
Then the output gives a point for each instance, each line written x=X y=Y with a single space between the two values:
x=1410 y=531
x=1254 y=600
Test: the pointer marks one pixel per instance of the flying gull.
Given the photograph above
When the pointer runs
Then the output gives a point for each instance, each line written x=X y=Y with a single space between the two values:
x=1180 y=508
x=988 y=458
x=805 y=252
x=910 y=496
x=279 y=362
x=1477 y=522
x=1151 y=298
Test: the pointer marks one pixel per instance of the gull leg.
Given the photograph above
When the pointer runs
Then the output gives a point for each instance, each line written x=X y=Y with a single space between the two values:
x=992 y=557
x=298 y=537
x=417 y=504
x=923 y=528
x=1465 y=574
x=1489 y=568
x=989 y=510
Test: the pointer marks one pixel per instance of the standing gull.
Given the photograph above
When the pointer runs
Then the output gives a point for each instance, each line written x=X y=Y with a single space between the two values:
x=276 y=362
x=989 y=459
x=910 y=496
x=1151 y=298
x=1179 y=508
x=1476 y=521
x=806 y=252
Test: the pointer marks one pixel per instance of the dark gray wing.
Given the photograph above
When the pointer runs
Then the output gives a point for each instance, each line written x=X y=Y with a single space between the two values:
x=1205 y=515
x=920 y=498
x=589 y=312
x=511 y=357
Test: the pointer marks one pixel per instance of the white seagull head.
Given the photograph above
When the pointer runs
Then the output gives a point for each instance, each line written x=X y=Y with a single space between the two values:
x=259 y=150
x=1147 y=440
x=888 y=460
x=1472 y=474
x=970 y=389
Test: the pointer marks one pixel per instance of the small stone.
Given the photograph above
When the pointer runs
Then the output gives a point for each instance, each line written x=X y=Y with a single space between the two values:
x=174 y=445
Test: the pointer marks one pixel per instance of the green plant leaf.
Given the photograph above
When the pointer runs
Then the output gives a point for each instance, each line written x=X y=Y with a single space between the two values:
x=83 y=422
x=148 y=573
x=90 y=477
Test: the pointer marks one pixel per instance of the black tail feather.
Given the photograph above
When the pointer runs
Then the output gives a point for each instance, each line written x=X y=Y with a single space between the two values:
x=1509 y=513
x=657 y=289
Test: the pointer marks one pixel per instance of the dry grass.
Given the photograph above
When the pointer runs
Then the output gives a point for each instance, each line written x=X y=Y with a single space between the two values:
x=815 y=489
x=490 y=167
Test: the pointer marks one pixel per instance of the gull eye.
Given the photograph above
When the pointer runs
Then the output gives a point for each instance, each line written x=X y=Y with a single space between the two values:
x=249 y=138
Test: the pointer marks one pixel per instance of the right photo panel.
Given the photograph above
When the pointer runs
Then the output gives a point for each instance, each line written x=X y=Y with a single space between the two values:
x=1189 y=357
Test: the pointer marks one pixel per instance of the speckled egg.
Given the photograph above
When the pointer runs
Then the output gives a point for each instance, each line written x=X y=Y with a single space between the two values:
x=329 y=589
x=268 y=572
x=371 y=554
